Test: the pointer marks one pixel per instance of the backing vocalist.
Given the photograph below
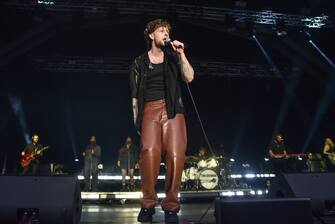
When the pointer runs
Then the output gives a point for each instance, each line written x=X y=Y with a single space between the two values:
x=158 y=111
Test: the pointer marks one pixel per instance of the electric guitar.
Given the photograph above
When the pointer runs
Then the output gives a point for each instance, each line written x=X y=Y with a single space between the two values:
x=28 y=157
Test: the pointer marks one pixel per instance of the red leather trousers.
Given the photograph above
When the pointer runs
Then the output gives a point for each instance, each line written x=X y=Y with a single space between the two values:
x=161 y=138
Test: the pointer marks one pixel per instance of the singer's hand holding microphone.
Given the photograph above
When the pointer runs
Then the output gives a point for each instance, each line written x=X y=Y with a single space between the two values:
x=176 y=45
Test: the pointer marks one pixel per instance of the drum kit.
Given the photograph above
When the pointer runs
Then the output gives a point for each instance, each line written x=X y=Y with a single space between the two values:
x=207 y=174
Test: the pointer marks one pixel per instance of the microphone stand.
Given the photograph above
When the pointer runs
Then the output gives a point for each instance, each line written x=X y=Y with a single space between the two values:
x=4 y=165
x=90 y=181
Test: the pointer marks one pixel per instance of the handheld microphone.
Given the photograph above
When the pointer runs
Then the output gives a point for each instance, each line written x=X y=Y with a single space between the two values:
x=169 y=41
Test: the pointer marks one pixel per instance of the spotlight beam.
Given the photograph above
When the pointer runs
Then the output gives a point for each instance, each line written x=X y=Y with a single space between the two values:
x=328 y=95
x=329 y=61
x=69 y=125
x=289 y=94
x=267 y=57
x=16 y=104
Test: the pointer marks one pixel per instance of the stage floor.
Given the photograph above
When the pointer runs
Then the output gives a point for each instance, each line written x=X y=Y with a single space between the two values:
x=127 y=213
x=190 y=213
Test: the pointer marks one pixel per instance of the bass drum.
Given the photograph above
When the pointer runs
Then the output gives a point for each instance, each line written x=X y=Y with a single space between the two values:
x=183 y=177
x=208 y=179
x=191 y=173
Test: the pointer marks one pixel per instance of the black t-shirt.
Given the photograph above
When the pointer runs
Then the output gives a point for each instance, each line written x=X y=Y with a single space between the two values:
x=278 y=147
x=96 y=151
x=155 y=83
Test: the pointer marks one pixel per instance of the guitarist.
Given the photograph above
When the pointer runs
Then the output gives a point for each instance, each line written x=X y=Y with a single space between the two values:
x=34 y=148
x=329 y=150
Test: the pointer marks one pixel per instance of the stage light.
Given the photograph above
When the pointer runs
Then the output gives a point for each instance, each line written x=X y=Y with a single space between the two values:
x=267 y=57
x=162 y=177
x=239 y=193
x=232 y=160
x=45 y=2
x=130 y=195
x=280 y=27
x=92 y=196
x=281 y=33
x=17 y=107
x=250 y=175
x=235 y=176
x=330 y=62
x=227 y=193
x=118 y=177
x=76 y=160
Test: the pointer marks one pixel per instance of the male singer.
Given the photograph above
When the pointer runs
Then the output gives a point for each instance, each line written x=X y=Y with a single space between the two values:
x=158 y=111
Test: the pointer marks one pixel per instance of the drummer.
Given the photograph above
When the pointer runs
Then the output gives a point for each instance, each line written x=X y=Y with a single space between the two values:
x=202 y=153
x=201 y=157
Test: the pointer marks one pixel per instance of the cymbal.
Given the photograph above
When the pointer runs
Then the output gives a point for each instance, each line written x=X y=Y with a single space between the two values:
x=216 y=157
x=219 y=157
x=193 y=157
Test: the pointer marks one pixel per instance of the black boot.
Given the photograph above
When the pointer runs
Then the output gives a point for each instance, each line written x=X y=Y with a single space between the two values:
x=171 y=217
x=132 y=187
x=123 y=189
x=145 y=215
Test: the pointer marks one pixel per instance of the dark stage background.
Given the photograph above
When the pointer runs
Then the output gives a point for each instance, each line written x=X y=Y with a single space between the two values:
x=240 y=114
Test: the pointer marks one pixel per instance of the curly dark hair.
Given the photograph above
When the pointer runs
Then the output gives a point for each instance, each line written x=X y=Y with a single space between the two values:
x=152 y=26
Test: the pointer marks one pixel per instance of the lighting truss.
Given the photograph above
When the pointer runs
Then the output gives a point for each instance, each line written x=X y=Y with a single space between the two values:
x=182 y=11
x=120 y=66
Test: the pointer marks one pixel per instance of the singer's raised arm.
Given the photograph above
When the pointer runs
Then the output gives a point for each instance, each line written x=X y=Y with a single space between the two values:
x=186 y=68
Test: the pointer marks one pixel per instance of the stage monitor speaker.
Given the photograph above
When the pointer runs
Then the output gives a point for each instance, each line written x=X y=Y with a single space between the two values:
x=40 y=199
x=263 y=211
x=319 y=187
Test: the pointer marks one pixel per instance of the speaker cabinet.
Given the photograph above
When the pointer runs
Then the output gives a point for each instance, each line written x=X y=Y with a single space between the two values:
x=319 y=187
x=274 y=211
x=40 y=199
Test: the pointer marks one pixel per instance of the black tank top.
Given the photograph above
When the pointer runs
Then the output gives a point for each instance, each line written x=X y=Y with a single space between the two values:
x=155 y=83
